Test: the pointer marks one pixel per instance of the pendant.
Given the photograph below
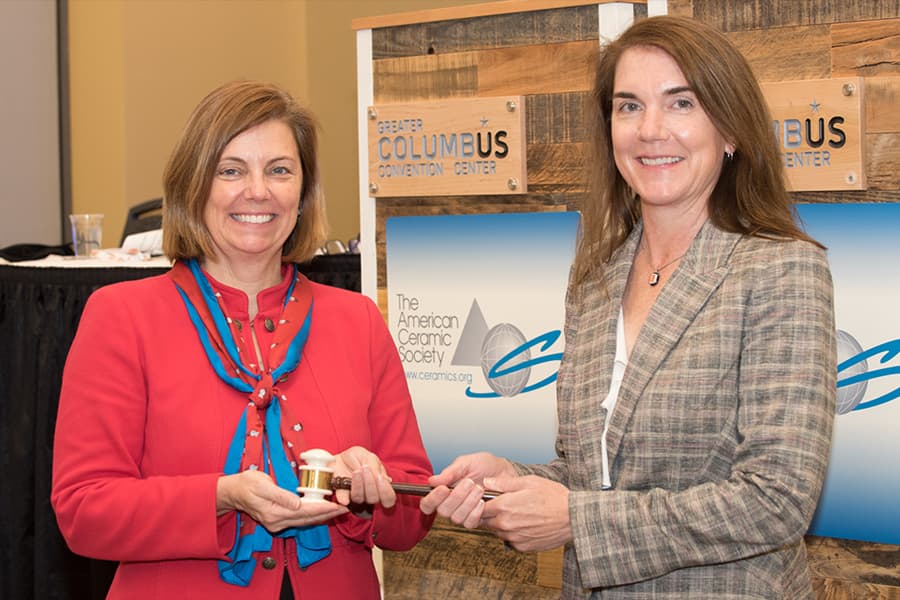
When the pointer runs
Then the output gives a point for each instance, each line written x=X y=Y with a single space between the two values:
x=654 y=278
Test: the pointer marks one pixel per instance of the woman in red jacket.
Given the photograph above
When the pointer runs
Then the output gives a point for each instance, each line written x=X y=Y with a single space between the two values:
x=188 y=398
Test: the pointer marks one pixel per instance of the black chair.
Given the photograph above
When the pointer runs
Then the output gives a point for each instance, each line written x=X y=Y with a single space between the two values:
x=145 y=216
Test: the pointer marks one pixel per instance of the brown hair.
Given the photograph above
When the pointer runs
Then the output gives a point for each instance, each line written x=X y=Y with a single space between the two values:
x=225 y=113
x=750 y=196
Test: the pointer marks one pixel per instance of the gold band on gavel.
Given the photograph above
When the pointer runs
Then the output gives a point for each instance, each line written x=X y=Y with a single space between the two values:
x=315 y=479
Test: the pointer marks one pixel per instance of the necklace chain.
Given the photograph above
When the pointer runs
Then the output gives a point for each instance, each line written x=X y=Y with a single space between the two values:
x=654 y=276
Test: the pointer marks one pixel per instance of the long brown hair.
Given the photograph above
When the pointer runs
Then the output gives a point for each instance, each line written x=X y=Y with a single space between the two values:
x=750 y=196
x=223 y=114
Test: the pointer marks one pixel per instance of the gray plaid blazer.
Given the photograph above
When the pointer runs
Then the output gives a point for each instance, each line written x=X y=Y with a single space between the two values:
x=719 y=441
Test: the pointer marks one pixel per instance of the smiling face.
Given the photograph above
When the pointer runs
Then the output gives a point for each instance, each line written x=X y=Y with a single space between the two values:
x=254 y=198
x=664 y=144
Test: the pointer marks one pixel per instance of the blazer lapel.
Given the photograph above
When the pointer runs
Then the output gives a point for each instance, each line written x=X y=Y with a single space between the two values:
x=594 y=350
x=700 y=272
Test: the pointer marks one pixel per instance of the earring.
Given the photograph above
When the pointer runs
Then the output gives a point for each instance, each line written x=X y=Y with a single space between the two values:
x=729 y=155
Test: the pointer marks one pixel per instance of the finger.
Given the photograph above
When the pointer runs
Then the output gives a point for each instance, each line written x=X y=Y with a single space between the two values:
x=506 y=484
x=491 y=511
x=374 y=464
x=455 y=498
x=362 y=486
x=472 y=502
x=315 y=513
x=473 y=520
x=273 y=518
x=379 y=469
x=342 y=497
x=434 y=499
x=370 y=487
x=285 y=499
x=263 y=491
x=350 y=460
x=450 y=475
x=462 y=499
x=322 y=509
x=462 y=467
x=387 y=497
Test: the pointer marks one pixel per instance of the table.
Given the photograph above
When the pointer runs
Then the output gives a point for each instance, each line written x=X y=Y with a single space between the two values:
x=39 y=312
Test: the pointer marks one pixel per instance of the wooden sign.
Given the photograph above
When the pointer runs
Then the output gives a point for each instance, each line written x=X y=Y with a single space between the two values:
x=819 y=124
x=452 y=147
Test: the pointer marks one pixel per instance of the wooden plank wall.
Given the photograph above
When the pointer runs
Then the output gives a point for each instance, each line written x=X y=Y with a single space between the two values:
x=546 y=56
x=543 y=55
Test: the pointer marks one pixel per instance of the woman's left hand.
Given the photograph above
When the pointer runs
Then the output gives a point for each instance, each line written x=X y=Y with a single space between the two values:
x=370 y=481
x=531 y=514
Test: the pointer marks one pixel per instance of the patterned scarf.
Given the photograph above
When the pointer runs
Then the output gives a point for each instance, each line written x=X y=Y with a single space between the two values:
x=267 y=437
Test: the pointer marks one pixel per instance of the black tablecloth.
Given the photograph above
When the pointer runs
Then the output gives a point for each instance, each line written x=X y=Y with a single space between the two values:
x=39 y=313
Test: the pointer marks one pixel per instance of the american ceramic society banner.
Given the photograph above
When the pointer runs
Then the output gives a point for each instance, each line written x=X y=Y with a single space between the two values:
x=861 y=500
x=476 y=305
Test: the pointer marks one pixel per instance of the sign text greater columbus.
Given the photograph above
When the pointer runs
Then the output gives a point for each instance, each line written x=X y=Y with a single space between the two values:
x=452 y=147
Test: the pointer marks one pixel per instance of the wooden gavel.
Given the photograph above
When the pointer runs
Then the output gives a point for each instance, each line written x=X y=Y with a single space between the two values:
x=317 y=480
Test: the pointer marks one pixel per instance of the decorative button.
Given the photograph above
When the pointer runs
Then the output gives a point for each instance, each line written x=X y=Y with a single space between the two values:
x=269 y=325
x=269 y=563
x=239 y=326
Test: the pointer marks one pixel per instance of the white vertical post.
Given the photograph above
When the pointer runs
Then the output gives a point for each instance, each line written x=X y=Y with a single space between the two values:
x=365 y=97
x=657 y=7
x=615 y=18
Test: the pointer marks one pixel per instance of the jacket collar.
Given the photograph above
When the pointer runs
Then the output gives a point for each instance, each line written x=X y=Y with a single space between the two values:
x=698 y=275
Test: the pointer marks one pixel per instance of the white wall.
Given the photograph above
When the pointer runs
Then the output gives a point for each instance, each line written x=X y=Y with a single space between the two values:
x=29 y=123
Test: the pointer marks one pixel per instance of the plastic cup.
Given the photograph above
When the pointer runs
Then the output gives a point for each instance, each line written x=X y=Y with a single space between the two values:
x=87 y=233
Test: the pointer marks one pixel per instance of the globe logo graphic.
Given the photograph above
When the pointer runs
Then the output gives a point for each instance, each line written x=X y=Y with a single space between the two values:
x=498 y=342
x=849 y=396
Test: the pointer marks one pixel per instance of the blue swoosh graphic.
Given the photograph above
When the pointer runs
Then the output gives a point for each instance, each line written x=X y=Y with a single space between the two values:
x=547 y=339
x=889 y=350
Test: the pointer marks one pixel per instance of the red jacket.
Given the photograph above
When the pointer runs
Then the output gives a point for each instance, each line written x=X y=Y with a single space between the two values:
x=144 y=426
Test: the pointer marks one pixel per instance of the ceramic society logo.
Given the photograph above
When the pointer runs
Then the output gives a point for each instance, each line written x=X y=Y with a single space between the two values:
x=509 y=360
x=854 y=373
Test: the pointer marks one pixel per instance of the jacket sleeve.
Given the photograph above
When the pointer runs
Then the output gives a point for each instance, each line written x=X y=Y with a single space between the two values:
x=105 y=507
x=784 y=399
x=397 y=442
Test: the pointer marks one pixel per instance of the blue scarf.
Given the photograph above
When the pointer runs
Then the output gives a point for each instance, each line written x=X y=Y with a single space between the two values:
x=262 y=439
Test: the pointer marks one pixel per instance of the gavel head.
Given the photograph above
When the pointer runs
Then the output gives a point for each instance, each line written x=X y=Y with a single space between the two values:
x=315 y=475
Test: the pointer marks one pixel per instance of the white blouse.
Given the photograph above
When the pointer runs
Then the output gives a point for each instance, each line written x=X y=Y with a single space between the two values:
x=621 y=361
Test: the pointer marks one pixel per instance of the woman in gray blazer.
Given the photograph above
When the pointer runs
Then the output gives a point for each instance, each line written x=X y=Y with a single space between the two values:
x=696 y=394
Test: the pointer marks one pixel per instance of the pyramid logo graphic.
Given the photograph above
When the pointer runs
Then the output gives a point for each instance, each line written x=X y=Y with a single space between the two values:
x=468 y=350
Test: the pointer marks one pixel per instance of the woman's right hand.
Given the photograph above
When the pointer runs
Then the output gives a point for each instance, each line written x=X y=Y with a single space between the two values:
x=256 y=494
x=458 y=489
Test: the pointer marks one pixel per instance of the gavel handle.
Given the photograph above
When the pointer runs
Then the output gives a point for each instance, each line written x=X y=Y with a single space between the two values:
x=409 y=489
